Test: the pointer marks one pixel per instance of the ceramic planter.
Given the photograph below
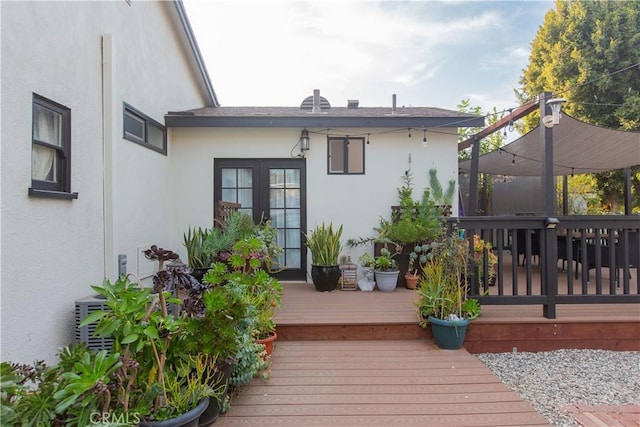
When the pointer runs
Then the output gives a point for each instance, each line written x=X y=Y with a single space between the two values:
x=268 y=343
x=411 y=280
x=188 y=419
x=325 y=278
x=448 y=334
x=387 y=280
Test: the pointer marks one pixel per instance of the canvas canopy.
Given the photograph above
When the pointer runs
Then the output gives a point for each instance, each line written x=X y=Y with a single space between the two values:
x=578 y=147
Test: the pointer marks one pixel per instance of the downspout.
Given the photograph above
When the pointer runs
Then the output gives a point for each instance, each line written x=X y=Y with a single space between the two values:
x=107 y=153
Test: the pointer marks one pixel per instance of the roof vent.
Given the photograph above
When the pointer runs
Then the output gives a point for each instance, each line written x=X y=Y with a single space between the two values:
x=315 y=103
x=352 y=103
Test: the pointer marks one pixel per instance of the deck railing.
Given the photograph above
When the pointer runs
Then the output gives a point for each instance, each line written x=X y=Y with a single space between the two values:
x=575 y=250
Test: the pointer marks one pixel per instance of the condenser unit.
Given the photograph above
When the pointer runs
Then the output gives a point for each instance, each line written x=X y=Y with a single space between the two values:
x=84 y=307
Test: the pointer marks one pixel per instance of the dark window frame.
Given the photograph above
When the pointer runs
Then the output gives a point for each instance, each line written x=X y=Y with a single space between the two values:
x=61 y=188
x=346 y=141
x=147 y=122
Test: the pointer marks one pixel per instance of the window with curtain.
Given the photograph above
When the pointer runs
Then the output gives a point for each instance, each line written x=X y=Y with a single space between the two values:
x=142 y=129
x=346 y=155
x=50 y=149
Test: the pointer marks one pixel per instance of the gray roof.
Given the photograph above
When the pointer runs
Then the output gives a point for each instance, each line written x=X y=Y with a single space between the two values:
x=366 y=117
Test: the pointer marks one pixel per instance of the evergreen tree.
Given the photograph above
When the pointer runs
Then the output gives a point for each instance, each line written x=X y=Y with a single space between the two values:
x=588 y=52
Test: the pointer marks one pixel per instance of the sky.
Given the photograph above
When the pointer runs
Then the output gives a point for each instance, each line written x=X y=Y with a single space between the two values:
x=428 y=53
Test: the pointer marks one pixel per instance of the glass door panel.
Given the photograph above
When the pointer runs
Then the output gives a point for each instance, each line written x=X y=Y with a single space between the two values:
x=270 y=189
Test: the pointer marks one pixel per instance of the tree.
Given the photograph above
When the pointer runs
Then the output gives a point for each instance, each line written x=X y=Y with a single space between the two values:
x=487 y=144
x=588 y=52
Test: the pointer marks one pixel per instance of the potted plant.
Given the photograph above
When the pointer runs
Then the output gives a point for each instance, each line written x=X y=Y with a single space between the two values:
x=367 y=282
x=417 y=258
x=386 y=270
x=413 y=222
x=325 y=246
x=442 y=292
x=150 y=380
x=198 y=259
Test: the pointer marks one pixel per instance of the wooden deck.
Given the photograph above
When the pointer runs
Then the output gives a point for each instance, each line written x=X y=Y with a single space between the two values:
x=376 y=383
x=352 y=358
x=353 y=315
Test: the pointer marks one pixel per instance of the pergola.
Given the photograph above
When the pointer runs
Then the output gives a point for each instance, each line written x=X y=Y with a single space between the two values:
x=567 y=148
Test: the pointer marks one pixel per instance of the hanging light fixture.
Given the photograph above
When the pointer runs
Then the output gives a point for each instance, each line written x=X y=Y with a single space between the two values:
x=409 y=129
x=511 y=127
x=513 y=161
x=424 y=138
x=304 y=140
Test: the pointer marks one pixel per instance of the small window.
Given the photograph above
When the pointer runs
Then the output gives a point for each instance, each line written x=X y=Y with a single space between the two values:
x=142 y=129
x=50 y=149
x=346 y=155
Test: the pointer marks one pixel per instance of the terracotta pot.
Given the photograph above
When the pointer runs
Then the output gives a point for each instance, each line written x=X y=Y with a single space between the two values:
x=268 y=343
x=411 y=280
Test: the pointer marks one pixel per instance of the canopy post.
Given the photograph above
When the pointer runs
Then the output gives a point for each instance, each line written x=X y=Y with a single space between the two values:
x=549 y=275
x=627 y=191
x=473 y=177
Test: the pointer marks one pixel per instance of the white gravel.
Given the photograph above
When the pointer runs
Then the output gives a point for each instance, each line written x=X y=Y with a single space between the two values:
x=552 y=379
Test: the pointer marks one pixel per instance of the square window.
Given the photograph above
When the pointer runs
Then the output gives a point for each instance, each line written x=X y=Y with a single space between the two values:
x=346 y=155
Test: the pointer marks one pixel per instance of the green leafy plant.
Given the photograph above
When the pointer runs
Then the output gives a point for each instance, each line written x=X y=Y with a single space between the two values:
x=193 y=241
x=442 y=289
x=325 y=245
x=366 y=260
x=385 y=261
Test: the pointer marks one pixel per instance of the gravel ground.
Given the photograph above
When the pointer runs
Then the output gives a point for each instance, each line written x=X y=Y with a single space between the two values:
x=550 y=380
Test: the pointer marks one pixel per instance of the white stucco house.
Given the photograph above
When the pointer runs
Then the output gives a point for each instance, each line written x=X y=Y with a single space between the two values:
x=113 y=140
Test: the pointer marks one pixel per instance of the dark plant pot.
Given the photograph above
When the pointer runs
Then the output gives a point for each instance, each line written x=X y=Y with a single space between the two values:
x=325 y=278
x=448 y=334
x=210 y=415
x=199 y=273
x=188 y=419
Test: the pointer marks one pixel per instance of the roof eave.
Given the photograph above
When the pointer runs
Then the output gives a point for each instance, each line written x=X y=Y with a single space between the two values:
x=318 y=121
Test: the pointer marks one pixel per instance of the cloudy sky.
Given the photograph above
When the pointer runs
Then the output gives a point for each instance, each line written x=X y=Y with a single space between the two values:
x=429 y=53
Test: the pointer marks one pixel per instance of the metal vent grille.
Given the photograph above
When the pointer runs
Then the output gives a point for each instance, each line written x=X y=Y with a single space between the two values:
x=84 y=307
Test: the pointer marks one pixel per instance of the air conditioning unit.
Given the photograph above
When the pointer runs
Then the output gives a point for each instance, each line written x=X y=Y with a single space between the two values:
x=84 y=307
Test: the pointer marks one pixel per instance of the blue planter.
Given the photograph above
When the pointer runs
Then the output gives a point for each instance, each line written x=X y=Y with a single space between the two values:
x=386 y=281
x=448 y=334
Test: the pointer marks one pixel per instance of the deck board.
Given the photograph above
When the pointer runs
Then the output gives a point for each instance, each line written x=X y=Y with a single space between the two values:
x=369 y=383
x=352 y=358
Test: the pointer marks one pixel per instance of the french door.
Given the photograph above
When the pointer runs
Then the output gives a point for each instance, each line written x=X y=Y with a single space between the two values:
x=272 y=189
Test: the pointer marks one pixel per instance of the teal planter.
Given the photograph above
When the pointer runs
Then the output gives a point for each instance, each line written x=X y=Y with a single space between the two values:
x=448 y=334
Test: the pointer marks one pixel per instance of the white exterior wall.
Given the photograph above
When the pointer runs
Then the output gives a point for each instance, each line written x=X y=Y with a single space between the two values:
x=356 y=201
x=53 y=250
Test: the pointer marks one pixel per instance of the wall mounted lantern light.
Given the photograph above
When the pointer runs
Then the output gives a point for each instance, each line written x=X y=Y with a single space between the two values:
x=556 y=105
x=304 y=140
